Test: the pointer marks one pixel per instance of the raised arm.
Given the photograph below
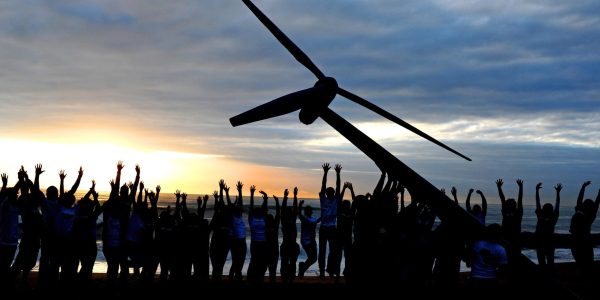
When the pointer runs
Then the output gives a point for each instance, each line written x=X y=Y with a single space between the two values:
x=453 y=192
x=401 y=189
x=264 y=206
x=120 y=167
x=38 y=172
x=178 y=205
x=483 y=203
x=344 y=190
x=538 y=205
x=140 y=196
x=278 y=208
x=499 y=183
x=558 y=188
x=295 y=207
x=77 y=182
x=221 y=188
x=62 y=176
x=379 y=185
x=326 y=168
x=133 y=189
x=91 y=191
x=4 y=183
x=184 y=210
x=252 y=190
x=229 y=203
x=520 y=197
x=202 y=205
x=351 y=188
x=301 y=215
x=240 y=201
x=579 y=205
x=468 y=201
x=338 y=170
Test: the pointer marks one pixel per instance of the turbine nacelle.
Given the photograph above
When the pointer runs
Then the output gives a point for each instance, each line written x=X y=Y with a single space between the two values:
x=326 y=89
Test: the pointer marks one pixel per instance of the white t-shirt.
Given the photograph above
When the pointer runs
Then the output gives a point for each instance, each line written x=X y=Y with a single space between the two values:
x=488 y=257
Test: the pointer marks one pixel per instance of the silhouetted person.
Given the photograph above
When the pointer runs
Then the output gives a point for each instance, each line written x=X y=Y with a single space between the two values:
x=63 y=227
x=547 y=216
x=153 y=248
x=488 y=257
x=85 y=231
x=478 y=211
x=115 y=217
x=48 y=269
x=199 y=233
x=29 y=202
x=345 y=224
x=308 y=230
x=238 y=234
x=9 y=228
x=512 y=214
x=136 y=227
x=273 y=238
x=450 y=248
x=329 y=199
x=581 y=226
x=289 y=247
x=219 y=242
x=258 y=240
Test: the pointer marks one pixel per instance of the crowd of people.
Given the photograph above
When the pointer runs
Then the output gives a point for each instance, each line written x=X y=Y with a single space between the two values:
x=375 y=233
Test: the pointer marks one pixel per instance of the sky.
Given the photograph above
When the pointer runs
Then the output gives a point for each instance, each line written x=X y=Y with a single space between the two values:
x=511 y=84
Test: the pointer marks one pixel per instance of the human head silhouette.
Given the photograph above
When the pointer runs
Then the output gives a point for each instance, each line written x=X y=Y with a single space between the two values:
x=52 y=193
x=511 y=205
x=330 y=193
x=308 y=211
x=476 y=209
x=547 y=210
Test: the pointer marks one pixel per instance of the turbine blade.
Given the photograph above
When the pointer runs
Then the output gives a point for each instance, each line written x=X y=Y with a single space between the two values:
x=389 y=116
x=280 y=106
x=284 y=40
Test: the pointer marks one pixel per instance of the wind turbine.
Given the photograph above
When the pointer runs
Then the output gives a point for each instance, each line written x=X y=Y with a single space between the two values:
x=313 y=102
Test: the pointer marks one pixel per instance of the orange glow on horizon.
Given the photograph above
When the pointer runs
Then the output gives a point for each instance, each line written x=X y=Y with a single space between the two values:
x=194 y=173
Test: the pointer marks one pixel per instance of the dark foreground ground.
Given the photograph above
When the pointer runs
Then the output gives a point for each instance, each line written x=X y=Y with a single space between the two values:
x=567 y=283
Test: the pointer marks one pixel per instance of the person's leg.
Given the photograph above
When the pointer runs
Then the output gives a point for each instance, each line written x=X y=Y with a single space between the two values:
x=322 y=249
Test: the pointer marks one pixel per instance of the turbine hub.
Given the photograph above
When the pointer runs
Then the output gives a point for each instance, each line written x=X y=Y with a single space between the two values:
x=327 y=89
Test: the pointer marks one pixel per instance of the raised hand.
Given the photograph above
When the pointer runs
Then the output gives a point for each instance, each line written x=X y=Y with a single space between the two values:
x=585 y=184
x=4 y=179
x=221 y=183
x=558 y=187
x=346 y=185
x=130 y=185
x=295 y=191
x=479 y=192
x=337 y=168
x=443 y=190
x=285 y=193
x=112 y=183
x=252 y=189
x=120 y=165
x=453 y=191
x=205 y=198
x=184 y=196
x=80 y=173
x=226 y=188
x=158 y=189
x=137 y=169
x=177 y=194
x=239 y=186
x=141 y=185
x=275 y=197
x=538 y=186
x=471 y=191
x=93 y=185
x=499 y=182
x=520 y=182
x=62 y=174
x=38 y=169
x=326 y=167
x=265 y=197
x=216 y=195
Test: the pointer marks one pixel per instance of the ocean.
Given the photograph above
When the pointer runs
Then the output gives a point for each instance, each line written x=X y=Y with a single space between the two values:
x=493 y=216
